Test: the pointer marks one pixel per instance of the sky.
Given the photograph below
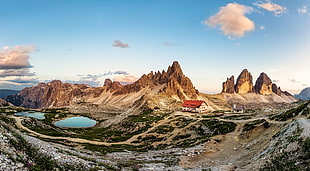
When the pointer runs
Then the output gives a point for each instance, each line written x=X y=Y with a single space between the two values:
x=87 y=41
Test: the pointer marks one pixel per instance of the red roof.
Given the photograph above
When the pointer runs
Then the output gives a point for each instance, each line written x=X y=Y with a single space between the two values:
x=192 y=103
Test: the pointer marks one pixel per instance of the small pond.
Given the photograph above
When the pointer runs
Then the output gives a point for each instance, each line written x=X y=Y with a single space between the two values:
x=37 y=115
x=75 y=122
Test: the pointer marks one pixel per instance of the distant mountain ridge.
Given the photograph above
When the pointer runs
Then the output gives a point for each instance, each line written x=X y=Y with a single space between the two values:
x=7 y=92
x=304 y=94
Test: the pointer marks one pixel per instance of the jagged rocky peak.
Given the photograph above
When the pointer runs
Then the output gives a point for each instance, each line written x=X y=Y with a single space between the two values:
x=175 y=68
x=244 y=83
x=229 y=85
x=176 y=83
x=263 y=85
x=276 y=89
x=107 y=82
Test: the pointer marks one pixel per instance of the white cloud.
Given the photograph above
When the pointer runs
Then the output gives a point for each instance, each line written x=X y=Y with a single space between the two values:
x=16 y=57
x=118 y=43
x=262 y=27
x=232 y=20
x=125 y=79
x=302 y=10
x=272 y=7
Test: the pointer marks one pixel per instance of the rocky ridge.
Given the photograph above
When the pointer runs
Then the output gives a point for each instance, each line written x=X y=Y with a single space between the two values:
x=244 y=85
x=172 y=84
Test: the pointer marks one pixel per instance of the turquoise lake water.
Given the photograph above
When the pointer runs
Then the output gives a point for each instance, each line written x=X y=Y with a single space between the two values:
x=37 y=115
x=76 y=122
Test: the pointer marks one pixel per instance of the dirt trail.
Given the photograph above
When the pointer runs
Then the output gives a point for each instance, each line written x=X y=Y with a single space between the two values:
x=80 y=140
x=220 y=147
x=231 y=150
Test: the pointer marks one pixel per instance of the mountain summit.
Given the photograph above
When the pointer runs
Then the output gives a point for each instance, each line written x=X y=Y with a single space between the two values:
x=244 y=85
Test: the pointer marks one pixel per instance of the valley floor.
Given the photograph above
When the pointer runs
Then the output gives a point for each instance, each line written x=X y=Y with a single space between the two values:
x=253 y=144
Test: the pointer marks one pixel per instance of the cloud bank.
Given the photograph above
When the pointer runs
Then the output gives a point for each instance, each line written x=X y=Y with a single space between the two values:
x=232 y=20
x=118 y=43
x=16 y=57
x=14 y=67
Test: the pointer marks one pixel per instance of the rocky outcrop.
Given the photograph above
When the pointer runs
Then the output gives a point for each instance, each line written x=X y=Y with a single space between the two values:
x=276 y=89
x=229 y=85
x=107 y=82
x=244 y=83
x=263 y=85
x=4 y=103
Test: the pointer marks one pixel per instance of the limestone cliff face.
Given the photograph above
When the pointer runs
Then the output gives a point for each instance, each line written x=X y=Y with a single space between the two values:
x=229 y=85
x=263 y=85
x=244 y=83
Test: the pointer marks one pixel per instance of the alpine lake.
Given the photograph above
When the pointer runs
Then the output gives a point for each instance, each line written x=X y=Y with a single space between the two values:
x=69 y=122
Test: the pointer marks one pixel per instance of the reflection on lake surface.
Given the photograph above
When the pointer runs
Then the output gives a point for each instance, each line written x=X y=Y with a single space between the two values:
x=76 y=122
x=37 y=115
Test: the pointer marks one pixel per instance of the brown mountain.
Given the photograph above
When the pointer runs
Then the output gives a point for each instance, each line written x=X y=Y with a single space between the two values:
x=244 y=83
x=172 y=84
x=229 y=85
x=176 y=83
x=52 y=94
x=263 y=85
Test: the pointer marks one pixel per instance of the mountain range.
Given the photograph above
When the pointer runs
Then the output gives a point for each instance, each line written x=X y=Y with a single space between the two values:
x=304 y=94
x=5 y=92
x=165 y=89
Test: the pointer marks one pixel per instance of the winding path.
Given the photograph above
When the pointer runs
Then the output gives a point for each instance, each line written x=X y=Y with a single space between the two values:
x=133 y=138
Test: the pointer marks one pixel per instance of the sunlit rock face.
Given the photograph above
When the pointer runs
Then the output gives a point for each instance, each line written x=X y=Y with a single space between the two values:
x=263 y=85
x=244 y=83
x=229 y=85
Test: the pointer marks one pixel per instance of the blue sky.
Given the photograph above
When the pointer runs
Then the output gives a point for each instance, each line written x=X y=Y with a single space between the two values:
x=87 y=41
